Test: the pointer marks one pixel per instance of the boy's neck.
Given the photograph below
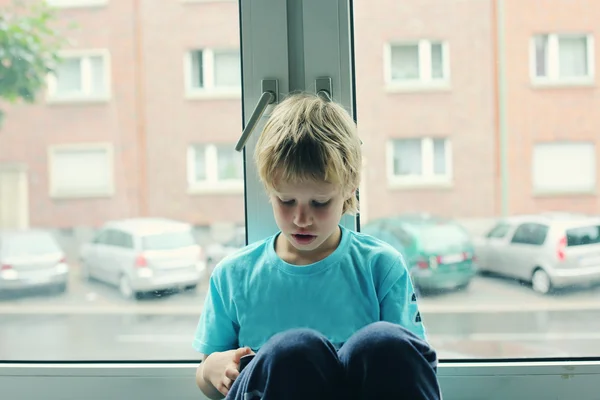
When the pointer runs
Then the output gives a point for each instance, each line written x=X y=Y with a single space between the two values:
x=288 y=253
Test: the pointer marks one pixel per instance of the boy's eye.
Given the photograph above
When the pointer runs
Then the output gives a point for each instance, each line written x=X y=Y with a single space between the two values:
x=318 y=204
x=287 y=202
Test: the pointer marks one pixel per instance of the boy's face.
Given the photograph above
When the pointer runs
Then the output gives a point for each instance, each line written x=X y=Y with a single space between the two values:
x=308 y=213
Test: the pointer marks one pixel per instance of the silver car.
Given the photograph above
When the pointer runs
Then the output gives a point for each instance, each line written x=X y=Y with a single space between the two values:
x=145 y=254
x=30 y=259
x=550 y=250
x=215 y=252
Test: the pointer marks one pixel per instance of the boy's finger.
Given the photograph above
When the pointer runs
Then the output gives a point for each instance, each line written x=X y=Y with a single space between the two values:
x=232 y=373
x=239 y=353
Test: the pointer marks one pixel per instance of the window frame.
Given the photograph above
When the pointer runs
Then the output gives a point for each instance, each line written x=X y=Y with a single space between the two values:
x=57 y=193
x=553 y=78
x=212 y=184
x=428 y=177
x=425 y=82
x=209 y=90
x=84 y=54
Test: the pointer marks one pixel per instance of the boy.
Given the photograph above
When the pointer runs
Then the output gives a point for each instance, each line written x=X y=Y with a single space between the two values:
x=329 y=313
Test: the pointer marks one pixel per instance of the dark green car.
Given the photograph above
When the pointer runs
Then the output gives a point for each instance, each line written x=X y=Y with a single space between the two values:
x=438 y=252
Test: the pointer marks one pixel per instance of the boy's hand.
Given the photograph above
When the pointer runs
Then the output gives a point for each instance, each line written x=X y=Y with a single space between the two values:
x=222 y=369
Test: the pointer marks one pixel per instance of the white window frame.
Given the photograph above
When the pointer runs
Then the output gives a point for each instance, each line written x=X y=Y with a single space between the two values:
x=428 y=178
x=209 y=90
x=57 y=193
x=212 y=184
x=425 y=81
x=84 y=55
x=553 y=64
x=76 y=3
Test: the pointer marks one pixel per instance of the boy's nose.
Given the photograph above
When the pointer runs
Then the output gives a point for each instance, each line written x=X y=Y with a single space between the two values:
x=301 y=219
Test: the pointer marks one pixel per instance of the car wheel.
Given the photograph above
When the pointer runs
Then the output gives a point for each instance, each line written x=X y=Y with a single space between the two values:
x=60 y=288
x=191 y=287
x=541 y=282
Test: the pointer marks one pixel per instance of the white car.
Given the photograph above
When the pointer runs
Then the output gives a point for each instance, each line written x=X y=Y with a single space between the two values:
x=144 y=254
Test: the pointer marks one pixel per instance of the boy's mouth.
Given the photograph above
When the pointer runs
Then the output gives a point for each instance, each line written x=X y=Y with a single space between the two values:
x=303 y=238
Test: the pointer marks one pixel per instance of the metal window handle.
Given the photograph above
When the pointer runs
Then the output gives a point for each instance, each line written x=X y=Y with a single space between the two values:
x=269 y=96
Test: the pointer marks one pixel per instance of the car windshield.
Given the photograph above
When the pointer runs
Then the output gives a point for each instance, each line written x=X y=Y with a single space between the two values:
x=437 y=238
x=583 y=236
x=168 y=240
x=29 y=245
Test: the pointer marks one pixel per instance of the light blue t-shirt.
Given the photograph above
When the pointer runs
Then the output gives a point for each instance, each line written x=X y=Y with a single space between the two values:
x=254 y=294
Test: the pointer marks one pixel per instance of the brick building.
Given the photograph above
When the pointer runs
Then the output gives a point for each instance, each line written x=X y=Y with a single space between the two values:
x=145 y=112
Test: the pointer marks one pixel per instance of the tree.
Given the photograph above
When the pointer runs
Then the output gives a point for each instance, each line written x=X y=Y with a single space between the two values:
x=29 y=48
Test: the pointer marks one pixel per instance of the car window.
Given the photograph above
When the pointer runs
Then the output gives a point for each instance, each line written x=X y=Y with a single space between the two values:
x=31 y=244
x=102 y=237
x=583 y=236
x=499 y=231
x=168 y=240
x=404 y=237
x=438 y=238
x=530 y=233
x=121 y=239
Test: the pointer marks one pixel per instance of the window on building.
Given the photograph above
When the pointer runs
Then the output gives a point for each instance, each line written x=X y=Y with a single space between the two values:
x=213 y=72
x=81 y=171
x=564 y=167
x=81 y=77
x=562 y=58
x=215 y=167
x=424 y=62
x=419 y=160
x=76 y=3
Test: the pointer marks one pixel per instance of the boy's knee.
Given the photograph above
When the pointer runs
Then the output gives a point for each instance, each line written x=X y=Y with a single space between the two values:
x=294 y=345
x=384 y=340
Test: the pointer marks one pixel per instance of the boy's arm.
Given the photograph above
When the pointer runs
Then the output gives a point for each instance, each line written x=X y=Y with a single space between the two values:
x=399 y=304
x=205 y=386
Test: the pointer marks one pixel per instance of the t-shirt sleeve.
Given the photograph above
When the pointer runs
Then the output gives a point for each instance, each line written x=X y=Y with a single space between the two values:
x=217 y=328
x=398 y=301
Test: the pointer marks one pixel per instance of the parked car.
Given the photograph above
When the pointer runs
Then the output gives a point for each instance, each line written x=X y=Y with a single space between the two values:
x=215 y=252
x=31 y=258
x=550 y=250
x=438 y=251
x=145 y=254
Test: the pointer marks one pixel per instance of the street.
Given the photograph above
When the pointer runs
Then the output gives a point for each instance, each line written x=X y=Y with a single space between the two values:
x=493 y=318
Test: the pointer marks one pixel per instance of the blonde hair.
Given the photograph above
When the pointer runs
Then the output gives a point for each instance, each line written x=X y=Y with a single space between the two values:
x=309 y=138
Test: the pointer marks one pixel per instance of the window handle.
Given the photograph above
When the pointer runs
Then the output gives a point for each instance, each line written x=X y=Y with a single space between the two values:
x=269 y=96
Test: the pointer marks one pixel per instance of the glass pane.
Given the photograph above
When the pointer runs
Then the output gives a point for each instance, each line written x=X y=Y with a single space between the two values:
x=98 y=83
x=125 y=164
x=405 y=62
x=536 y=163
x=227 y=69
x=230 y=163
x=69 y=77
x=572 y=56
x=408 y=157
x=200 y=161
x=437 y=61
x=439 y=157
x=197 y=69
x=541 y=55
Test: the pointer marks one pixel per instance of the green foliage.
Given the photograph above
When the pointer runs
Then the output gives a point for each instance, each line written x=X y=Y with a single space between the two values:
x=29 y=46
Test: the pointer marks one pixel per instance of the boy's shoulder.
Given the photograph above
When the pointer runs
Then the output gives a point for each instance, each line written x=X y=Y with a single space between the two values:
x=241 y=259
x=374 y=248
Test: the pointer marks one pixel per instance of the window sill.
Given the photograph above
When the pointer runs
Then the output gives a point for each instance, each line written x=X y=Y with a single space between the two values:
x=77 y=3
x=81 y=195
x=563 y=84
x=559 y=193
x=418 y=87
x=415 y=185
x=77 y=100
x=213 y=95
x=216 y=189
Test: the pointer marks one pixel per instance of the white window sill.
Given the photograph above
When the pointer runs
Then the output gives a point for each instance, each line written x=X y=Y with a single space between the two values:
x=213 y=94
x=81 y=195
x=562 y=193
x=216 y=188
x=415 y=87
x=420 y=184
x=77 y=3
x=562 y=83
x=77 y=99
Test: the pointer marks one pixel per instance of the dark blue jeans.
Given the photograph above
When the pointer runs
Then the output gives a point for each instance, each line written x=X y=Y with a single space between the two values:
x=380 y=361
